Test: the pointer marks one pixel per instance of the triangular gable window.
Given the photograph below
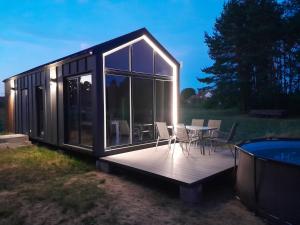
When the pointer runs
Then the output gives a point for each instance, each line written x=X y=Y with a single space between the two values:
x=142 y=57
x=118 y=60
x=161 y=67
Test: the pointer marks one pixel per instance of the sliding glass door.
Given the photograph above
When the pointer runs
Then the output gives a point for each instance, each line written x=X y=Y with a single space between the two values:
x=142 y=109
x=118 y=131
x=78 y=110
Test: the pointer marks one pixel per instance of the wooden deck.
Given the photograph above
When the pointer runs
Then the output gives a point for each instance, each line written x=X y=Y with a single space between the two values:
x=178 y=166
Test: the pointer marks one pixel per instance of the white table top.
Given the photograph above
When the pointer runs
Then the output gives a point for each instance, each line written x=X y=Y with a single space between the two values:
x=200 y=128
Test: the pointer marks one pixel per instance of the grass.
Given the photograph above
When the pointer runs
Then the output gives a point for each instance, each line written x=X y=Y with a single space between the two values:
x=42 y=186
x=249 y=127
x=37 y=174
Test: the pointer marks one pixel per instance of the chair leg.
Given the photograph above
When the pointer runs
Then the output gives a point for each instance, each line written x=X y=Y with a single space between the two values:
x=189 y=148
x=174 y=144
x=181 y=146
x=211 y=145
x=169 y=143
x=156 y=143
x=231 y=150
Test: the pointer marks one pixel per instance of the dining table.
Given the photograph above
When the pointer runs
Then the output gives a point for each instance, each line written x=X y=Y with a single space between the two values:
x=200 y=130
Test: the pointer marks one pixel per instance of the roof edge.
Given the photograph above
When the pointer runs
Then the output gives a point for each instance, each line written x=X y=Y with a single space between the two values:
x=108 y=45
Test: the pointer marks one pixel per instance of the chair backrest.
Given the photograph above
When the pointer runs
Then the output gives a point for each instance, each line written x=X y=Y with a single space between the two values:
x=215 y=123
x=162 y=129
x=232 y=132
x=197 y=122
x=124 y=127
x=182 y=134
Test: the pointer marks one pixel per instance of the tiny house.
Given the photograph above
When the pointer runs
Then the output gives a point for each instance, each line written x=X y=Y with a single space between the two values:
x=102 y=100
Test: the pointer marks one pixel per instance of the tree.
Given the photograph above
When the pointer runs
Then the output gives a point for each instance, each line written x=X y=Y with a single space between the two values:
x=242 y=46
x=186 y=93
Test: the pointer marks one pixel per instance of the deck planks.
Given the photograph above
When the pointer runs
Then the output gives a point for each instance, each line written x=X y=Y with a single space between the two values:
x=177 y=166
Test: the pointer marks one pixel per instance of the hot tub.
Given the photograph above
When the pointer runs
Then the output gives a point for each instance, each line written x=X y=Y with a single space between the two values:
x=268 y=178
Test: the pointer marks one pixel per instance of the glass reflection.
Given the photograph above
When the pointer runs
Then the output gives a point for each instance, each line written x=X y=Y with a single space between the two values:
x=142 y=109
x=163 y=101
x=86 y=135
x=142 y=57
x=78 y=111
x=118 y=60
x=71 y=111
x=117 y=110
x=161 y=66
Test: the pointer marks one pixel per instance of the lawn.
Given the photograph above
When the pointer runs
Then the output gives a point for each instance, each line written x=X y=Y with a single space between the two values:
x=42 y=186
x=249 y=127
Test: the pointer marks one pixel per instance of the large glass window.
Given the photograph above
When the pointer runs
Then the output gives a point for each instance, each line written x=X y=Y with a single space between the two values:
x=161 y=66
x=71 y=111
x=86 y=137
x=117 y=110
x=40 y=112
x=78 y=118
x=118 y=60
x=136 y=95
x=142 y=57
x=142 y=109
x=163 y=101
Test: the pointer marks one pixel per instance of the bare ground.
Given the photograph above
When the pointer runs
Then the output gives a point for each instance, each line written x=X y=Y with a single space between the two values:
x=38 y=186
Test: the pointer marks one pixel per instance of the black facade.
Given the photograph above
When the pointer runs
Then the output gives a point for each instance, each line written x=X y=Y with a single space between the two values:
x=102 y=100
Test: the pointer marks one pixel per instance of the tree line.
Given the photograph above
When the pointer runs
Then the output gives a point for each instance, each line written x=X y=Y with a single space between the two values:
x=255 y=48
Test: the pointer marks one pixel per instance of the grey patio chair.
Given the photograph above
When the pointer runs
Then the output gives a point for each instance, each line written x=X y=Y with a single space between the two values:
x=183 y=137
x=224 y=138
x=197 y=122
x=163 y=134
x=213 y=123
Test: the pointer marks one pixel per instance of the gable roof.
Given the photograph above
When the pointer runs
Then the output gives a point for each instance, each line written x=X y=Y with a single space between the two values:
x=106 y=46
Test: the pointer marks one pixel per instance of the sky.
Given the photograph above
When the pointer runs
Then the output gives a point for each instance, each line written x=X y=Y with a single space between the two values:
x=36 y=32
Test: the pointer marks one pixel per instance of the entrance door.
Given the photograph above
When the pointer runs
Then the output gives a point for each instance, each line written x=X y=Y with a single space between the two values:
x=142 y=110
x=24 y=111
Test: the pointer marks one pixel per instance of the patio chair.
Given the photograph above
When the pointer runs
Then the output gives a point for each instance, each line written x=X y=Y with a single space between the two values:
x=163 y=134
x=183 y=137
x=197 y=122
x=223 y=138
x=213 y=123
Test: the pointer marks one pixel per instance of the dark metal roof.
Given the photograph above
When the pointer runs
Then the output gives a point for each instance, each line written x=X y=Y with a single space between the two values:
x=106 y=46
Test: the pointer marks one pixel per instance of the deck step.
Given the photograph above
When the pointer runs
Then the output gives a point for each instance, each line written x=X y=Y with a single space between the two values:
x=13 y=138
x=12 y=141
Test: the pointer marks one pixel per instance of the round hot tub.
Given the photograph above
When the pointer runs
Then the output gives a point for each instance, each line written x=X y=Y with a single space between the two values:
x=268 y=178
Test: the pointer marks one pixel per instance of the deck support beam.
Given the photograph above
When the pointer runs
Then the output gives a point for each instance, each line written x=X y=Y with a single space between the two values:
x=103 y=166
x=191 y=193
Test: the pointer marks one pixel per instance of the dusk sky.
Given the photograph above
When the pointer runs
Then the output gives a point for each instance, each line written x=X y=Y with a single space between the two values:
x=36 y=32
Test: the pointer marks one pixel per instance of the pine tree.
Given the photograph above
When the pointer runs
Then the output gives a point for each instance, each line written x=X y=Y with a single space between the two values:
x=242 y=46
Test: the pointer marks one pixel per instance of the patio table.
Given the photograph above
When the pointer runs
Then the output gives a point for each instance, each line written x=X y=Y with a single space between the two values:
x=200 y=130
